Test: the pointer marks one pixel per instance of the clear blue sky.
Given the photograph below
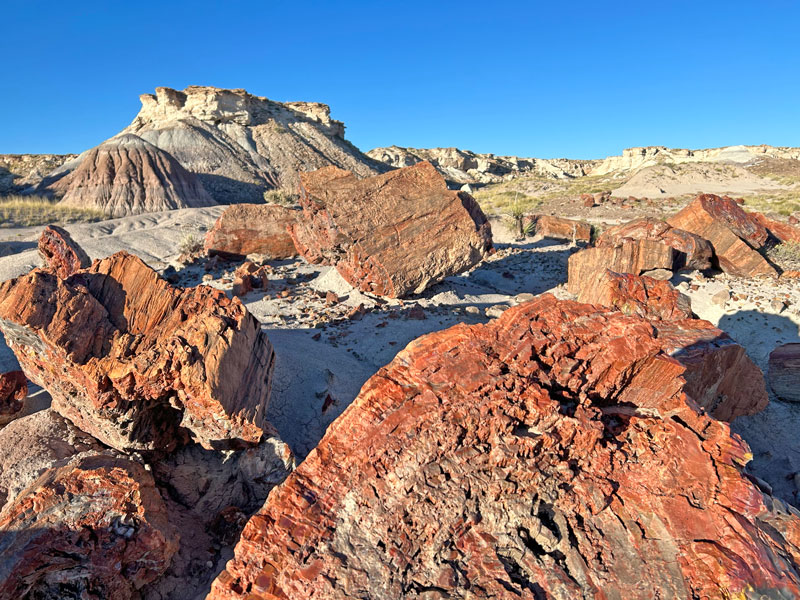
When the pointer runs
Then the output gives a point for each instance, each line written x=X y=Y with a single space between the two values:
x=575 y=79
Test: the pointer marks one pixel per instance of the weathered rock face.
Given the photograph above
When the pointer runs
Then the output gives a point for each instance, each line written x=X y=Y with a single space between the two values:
x=95 y=527
x=464 y=166
x=551 y=453
x=137 y=363
x=20 y=171
x=733 y=235
x=692 y=251
x=561 y=229
x=60 y=252
x=636 y=295
x=784 y=372
x=392 y=235
x=35 y=443
x=13 y=389
x=253 y=229
x=128 y=175
x=240 y=145
x=629 y=256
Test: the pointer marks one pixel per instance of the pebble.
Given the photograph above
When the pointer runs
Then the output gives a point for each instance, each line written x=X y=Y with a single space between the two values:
x=721 y=298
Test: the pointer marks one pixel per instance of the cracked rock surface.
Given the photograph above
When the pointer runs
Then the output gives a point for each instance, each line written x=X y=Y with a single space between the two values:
x=551 y=453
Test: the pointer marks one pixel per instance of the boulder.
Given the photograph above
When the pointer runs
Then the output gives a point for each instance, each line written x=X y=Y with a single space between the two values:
x=137 y=363
x=253 y=229
x=127 y=175
x=629 y=256
x=94 y=527
x=552 y=453
x=558 y=228
x=784 y=372
x=692 y=251
x=636 y=295
x=734 y=236
x=60 y=252
x=393 y=234
x=13 y=390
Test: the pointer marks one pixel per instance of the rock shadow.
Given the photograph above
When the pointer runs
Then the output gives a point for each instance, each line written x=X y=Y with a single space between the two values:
x=771 y=434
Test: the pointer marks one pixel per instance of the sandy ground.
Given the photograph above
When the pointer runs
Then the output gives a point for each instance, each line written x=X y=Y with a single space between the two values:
x=325 y=353
x=661 y=181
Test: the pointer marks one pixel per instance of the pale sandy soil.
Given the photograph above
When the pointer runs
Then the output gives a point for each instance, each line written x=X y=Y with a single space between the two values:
x=324 y=357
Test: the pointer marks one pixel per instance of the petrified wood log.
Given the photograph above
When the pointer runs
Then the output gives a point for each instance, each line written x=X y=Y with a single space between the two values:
x=559 y=228
x=552 y=453
x=629 y=256
x=138 y=363
x=60 y=252
x=93 y=528
x=636 y=295
x=733 y=234
x=692 y=251
x=393 y=234
x=783 y=232
x=253 y=229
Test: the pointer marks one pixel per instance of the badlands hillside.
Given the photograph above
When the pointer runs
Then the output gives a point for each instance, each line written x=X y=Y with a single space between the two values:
x=442 y=375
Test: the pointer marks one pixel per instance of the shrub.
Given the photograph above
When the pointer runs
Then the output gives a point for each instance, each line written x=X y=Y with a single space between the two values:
x=280 y=196
x=190 y=244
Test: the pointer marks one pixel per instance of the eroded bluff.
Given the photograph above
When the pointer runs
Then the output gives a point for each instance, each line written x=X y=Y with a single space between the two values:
x=552 y=453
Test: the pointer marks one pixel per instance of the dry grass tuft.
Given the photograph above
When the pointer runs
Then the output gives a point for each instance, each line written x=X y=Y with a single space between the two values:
x=30 y=211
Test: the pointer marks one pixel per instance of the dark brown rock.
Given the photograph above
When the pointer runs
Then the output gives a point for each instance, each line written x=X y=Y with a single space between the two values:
x=13 y=390
x=636 y=295
x=733 y=235
x=393 y=234
x=784 y=372
x=136 y=362
x=552 y=453
x=253 y=229
x=692 y=251
x=60 y=252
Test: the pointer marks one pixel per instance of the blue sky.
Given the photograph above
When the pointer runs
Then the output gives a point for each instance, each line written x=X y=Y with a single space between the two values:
x=573 y=79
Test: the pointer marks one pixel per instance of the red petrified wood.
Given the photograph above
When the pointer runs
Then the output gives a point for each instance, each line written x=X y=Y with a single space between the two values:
x=636 y=295
x=559 y=228
x=253 y=229
x=60 y=252
x=552 y=453
x=692 y=251
x=13 y=390
x=393 y=234
x=628 y=256
x=138 y=363
x=733 y=234
x=95 y=527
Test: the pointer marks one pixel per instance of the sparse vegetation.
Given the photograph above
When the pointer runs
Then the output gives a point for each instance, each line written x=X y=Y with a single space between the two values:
x=190 y=244
x=30 y=211
x=280 y=197
x=783 y=203
x=786 y=256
